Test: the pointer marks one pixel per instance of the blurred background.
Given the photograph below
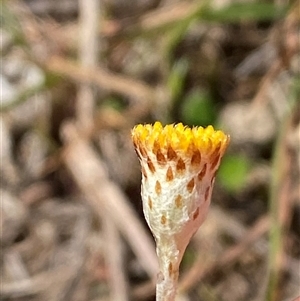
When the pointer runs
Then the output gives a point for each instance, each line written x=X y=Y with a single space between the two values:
x=76 y=76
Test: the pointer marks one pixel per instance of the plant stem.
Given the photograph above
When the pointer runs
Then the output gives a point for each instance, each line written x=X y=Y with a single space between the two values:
x=166 y=287
x=169 y=260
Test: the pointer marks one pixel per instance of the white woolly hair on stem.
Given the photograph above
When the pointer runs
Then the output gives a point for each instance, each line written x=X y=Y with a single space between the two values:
x=178 y=171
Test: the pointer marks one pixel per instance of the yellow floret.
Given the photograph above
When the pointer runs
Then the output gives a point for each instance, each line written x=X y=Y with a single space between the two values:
x=181 y=138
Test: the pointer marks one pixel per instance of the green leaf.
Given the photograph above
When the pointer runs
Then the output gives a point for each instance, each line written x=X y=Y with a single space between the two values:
x=113 y=102
x=236 y=12
x=177 y=77
x=233 y=172
x=198 y=108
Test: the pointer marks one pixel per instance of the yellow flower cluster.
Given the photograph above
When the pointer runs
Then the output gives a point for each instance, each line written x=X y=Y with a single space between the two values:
x=179 y=137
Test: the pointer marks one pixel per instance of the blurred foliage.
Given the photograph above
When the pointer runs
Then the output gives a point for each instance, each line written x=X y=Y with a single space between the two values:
x=233 y=172
x=198 y=108
x=114 y=103
x=235 y=12
x=177 y=77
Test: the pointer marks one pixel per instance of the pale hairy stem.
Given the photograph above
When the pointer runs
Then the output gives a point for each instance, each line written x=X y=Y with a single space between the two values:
x=166 y=288
x=169 y=261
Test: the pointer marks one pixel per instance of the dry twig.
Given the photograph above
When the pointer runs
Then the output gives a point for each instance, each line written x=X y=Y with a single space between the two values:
x=231 y=255
x=114 y=257
x=105 y=197
x=88 y=49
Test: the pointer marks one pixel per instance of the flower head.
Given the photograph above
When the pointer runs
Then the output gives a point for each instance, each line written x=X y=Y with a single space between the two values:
x=178 y=170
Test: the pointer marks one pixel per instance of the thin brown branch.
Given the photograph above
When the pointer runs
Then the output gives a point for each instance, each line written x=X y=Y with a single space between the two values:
x=287 y=42
x=154 y=20
x=231 y=255
x=114 y=258
x=103 y=78
x=88 y=49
